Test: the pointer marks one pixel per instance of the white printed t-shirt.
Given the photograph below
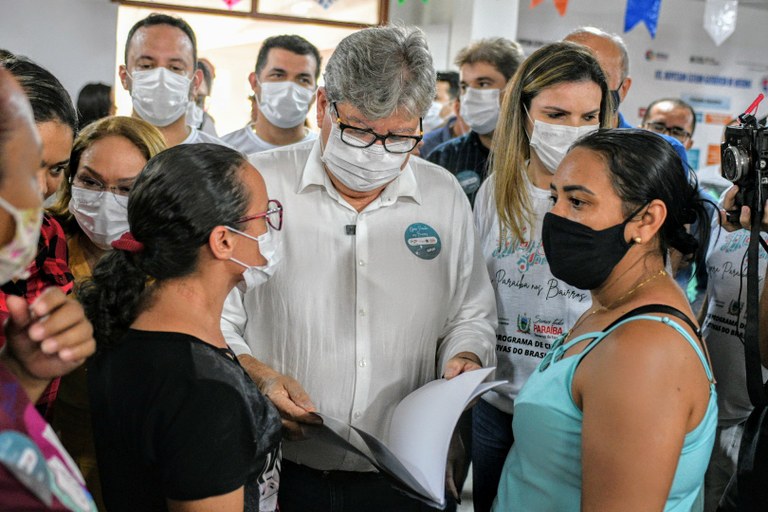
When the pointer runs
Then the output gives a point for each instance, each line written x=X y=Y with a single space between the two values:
x=726 y=313
x=247 y=142
x=534 y=307
x=365 y=307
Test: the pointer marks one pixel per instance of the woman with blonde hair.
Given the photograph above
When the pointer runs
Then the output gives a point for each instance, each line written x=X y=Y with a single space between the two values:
x=106 y=159
x=558 y=94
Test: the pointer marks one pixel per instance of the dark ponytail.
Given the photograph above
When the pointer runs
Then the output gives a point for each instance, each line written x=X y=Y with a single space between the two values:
x=645 y=167
x=179 y=197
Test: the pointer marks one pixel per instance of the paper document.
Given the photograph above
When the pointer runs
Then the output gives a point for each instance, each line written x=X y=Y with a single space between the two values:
x=420 y=433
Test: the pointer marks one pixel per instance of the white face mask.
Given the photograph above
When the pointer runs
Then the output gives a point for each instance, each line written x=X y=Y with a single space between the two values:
x=270 y=249
x=432 y=120
x=194 y=115
x=159 y=95
x=360 y=169
x=103 y=216
x=480 y=109
x=551 y=141
x=17 y=255
x=284 y=104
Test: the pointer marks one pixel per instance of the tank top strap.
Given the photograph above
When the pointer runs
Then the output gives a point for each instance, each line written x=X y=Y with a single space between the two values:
x=666 y=320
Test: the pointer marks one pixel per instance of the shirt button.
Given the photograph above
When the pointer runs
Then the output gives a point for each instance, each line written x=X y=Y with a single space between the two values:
x=363 y=363
x=362 y=312
x=361 y=263
x=357 y=415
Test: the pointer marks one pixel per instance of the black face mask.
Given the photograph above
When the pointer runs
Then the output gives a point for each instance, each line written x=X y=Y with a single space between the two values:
x=579 y=255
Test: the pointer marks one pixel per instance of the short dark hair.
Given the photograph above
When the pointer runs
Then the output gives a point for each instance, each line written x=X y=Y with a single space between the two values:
x=49 y=99
x=452 y=79
x=93 y=103
x=292 y=43
x=677 y=102
x=163 y=19
x=207 y=76
x=503 y=54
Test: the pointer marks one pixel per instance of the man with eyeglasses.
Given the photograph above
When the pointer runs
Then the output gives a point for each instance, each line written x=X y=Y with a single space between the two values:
x=382 y=288
x=673 y=117
x=283 y=84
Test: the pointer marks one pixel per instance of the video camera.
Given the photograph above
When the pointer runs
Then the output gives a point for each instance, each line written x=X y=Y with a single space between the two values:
x=744 y=161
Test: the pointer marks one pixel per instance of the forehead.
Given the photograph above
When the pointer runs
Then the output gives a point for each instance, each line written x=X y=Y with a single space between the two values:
x=474 y=70
x=581 y=96
x=668 y=111
x=160 y=42
x=290 y=61
x=585 y=168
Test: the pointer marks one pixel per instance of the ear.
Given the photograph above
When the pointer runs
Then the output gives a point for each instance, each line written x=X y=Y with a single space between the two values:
x=253 y=80
x=688 y=144
x=653 y=217
x=197 y=79
x=122 y=72
x=322 y=105
x=221 y=242
x=624 y=89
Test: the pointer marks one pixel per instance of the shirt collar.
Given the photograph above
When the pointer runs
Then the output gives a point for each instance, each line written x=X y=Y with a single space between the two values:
x=404 y=185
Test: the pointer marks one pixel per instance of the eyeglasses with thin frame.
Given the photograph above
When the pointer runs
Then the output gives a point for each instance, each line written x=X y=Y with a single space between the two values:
x=677 y=132
x=274 y=215
x=364 y=138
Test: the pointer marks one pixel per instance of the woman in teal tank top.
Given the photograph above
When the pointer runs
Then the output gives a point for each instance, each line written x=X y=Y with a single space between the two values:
x=621 y=414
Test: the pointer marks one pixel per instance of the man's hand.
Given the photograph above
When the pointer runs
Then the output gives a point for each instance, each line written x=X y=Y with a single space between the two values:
x=745 y=215
x=286 y=394
x=460 y=363
x=455 y=468
x=48 y=339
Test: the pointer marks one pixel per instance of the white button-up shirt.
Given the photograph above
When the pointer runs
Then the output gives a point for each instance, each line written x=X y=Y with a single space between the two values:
x=365 y=307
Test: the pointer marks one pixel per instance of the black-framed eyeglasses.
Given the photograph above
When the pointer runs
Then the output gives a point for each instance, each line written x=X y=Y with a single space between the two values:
x=364 y=138
x=274 y=215
x=677 y=132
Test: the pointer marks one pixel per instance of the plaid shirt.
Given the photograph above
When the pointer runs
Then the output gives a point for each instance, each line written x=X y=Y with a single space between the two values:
x=49 y=268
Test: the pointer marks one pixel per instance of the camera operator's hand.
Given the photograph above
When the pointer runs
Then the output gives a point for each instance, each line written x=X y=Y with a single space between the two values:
x=744 y=217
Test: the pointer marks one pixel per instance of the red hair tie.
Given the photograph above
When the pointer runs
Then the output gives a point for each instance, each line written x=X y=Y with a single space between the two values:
x=128 y=243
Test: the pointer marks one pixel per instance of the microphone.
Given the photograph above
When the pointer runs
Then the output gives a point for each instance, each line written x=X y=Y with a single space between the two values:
x=350 y=229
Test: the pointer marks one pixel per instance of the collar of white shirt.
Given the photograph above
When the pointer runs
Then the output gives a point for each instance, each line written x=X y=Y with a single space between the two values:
x=404 y=185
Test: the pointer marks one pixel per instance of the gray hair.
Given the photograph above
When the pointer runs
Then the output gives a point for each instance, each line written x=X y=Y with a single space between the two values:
x=382 y=70
x=583 y=32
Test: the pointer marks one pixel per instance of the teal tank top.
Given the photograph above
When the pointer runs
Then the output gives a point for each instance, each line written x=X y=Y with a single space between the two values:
x=543 y=470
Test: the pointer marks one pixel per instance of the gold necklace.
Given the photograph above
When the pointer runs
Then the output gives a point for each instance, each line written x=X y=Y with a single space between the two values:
x=615 y=303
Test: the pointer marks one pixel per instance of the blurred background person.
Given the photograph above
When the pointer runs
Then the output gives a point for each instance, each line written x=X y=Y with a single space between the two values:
x=198 y=115
x=450 y=123
x=485 y=68
x=106 y=158
x=94 y=101
x=284 y=85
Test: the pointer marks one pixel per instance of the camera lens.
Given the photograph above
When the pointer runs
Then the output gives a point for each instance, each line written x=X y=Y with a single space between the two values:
x=735 y=163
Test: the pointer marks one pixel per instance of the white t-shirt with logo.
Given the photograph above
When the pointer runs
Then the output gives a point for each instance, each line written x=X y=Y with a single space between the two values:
x=726 y=315
x=247 y=142
x=534 y=307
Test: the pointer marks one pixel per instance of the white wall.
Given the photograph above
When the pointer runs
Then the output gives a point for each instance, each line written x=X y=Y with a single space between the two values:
x=73 y=39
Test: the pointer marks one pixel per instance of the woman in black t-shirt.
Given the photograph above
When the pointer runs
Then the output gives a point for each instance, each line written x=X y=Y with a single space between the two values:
x=178 y=424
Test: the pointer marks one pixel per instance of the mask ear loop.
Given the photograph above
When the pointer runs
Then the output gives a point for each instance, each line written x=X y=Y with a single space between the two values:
x=631 y=217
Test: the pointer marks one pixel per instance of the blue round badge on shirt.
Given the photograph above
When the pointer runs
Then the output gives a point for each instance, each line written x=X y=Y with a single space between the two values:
x=469 y=181
x=423 y=241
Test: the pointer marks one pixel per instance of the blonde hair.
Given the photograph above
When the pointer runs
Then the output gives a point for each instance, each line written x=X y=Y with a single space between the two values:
x=548 y=66
x=147 y=139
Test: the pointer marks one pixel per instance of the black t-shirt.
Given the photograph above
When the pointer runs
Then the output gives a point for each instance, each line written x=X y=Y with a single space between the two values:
x=175 y=417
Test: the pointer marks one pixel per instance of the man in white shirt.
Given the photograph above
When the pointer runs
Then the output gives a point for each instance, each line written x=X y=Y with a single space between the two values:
x=284 y=84
x=382 y=287
x=160 y=72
